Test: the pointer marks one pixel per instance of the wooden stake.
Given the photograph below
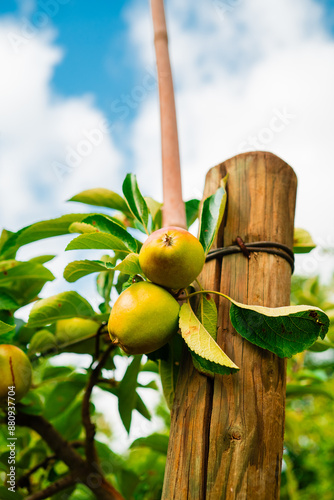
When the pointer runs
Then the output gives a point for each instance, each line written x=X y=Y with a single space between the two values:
x=173 y=209
x=226 y=438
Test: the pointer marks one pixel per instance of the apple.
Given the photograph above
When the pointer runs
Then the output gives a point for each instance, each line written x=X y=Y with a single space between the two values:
x=143 y=318
x=16 y=371
x=172 y=257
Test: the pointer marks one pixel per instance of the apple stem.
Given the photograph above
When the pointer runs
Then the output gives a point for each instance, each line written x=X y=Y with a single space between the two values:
x=206 y=292
x=167 y=240
x=173 y=208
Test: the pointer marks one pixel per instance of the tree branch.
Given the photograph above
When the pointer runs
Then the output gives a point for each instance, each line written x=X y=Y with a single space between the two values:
x=24 y=480
x=55 y=487
x=87 y=472
x=90 y=449
x=53 y=439
x=173 y=208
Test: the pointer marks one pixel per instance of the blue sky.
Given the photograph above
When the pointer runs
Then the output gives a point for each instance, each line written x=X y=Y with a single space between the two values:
x=98 y=58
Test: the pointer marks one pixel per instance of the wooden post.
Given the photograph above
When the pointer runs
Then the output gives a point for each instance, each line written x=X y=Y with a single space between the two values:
x=226 y=438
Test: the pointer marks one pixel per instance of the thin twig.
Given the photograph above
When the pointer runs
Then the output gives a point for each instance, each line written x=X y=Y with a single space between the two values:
x=173 y=208
x=59 y=485
x=90 y=449
x=23 y=481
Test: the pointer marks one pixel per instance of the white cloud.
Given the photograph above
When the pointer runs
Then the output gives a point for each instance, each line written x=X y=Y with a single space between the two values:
x=41 y=132
x=234 y=73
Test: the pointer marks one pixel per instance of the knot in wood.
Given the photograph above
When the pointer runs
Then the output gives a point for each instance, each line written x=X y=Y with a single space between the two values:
x=235 y=434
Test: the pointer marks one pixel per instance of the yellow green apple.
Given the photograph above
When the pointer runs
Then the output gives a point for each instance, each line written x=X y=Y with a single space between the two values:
x=143 y=318
x=16 y=373
x=172 y=257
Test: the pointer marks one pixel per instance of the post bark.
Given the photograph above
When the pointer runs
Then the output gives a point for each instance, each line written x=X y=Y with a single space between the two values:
x=226 y=439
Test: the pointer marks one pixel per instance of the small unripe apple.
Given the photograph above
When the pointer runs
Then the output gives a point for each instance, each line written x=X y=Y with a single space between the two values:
x=15 y=370
x=143 y=318
x=172 y=257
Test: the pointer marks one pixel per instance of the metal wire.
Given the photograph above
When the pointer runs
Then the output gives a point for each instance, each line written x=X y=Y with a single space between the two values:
x=270 y=247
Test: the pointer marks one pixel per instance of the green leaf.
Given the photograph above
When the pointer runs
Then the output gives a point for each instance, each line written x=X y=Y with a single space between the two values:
x=135 y=200
x=42 y=341
x=126 y=284
x=192 y=211
x=321 y=346
x=62 y=306
x=5 y=494
x=15 y=270
x=42 y=259
x=208 y=316
x=154 y=208
x=105 y=224
x=157 y=442
x=142 y=408
x=302 y=241
x=51 y=372
x=32 y=403
x=5 y=328
x=297 y=391
x=69 y=422
x=101 y=197
x=105 y=280
x=130 y=265
x=5 y=235
x=39 y=231
x=127 y=395
x=169 y=369
x=211 y=217
x=62 y=396
x=161 y=353
x=284 y=331
x=74 y=330
x=79 y=268
x=7 y=301
x=99 y=241
x=200 y=342
x=82 y=228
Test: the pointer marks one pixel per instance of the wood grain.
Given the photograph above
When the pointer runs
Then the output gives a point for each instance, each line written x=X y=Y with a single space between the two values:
x=227 y=435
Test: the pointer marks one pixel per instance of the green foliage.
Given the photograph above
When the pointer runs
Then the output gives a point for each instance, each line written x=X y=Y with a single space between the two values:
x=192 y=211
x=283 y=330
x=61 y=306
x=309 y=431
x=79 y=268
x=205 y=350
x=38 y=231
x=101 y=197
x=302 y=241
x=127 y=396
x=135 y=200
x=211 y=217
x=208 y=315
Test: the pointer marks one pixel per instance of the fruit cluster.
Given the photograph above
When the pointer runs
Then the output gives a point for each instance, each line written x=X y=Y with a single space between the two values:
x=145 y=315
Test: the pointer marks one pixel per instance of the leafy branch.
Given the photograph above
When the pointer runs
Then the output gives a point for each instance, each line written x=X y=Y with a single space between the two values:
x=82 y=470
